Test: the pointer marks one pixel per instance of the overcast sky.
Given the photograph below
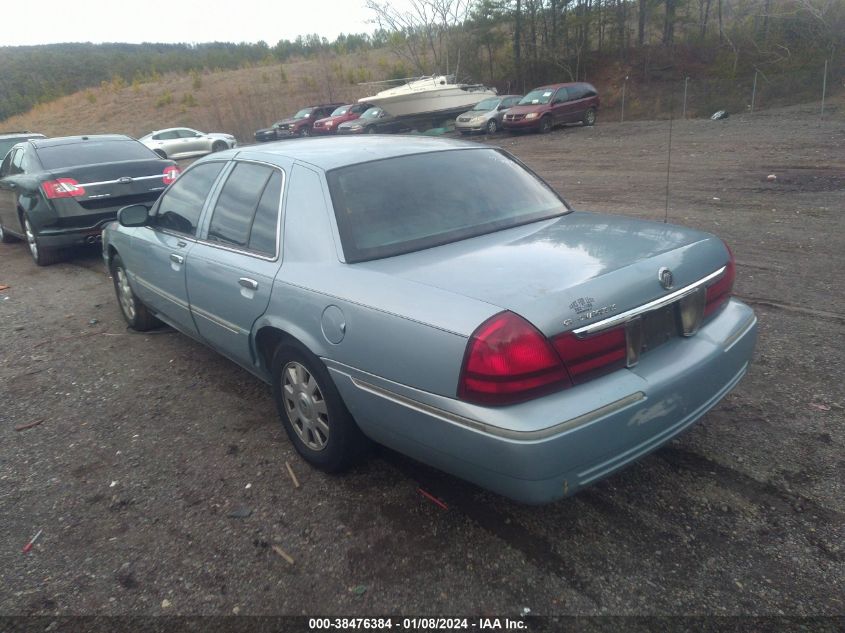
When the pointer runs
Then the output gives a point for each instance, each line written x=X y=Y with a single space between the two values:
x=193 y=21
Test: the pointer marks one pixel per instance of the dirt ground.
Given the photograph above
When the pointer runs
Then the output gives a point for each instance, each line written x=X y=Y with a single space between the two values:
x=157 y=472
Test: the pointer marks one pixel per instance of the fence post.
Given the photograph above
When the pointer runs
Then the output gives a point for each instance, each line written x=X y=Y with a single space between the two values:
x=754 y=91
x=824 y=90
x=624 y=86
x=686 y=81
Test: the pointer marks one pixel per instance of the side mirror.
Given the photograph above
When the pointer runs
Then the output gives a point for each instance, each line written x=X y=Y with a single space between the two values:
x=133 y=215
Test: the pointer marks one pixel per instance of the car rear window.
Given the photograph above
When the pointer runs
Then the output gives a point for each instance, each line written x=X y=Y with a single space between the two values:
x=92 y=153
x=399 y=205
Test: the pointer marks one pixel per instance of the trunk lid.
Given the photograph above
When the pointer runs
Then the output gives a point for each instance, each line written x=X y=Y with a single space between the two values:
x=116 y=184
x=565 y=273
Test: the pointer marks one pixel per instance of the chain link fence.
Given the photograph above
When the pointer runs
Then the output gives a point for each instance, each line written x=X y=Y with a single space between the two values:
x=633 y=99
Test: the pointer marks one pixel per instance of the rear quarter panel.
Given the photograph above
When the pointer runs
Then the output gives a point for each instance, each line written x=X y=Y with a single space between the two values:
x=371 y=322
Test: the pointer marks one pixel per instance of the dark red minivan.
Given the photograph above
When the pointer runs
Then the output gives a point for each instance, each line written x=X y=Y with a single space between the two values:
x=558 y=104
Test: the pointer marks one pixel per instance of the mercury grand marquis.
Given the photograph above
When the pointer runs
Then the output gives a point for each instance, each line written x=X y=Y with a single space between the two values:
x=439 y=298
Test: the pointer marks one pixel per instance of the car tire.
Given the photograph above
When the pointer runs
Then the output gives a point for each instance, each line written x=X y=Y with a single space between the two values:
x=314 y=416
x=305 y=131
x=6 y=238
x=492 y=126
x=371 y=129
x=218 y=146
x=42 y=256
x=161 y=153
x=135 y=313
x=589 y=117
x=545 y=125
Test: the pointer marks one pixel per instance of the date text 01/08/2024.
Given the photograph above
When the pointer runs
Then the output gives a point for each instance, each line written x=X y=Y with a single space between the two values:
x=416 y=624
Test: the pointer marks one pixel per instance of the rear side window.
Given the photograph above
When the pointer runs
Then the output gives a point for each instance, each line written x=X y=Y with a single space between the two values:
x=399 y=205
x=266 y=224
x=92 y=153
x=234 y=212
x=247 y=212
x=578 y=91
x=180 y=206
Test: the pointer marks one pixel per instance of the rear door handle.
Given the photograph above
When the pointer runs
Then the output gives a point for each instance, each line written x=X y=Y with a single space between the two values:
x=246 y=282
x=176 y=258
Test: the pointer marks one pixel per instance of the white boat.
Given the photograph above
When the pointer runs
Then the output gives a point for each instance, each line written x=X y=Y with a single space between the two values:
x=429 y=95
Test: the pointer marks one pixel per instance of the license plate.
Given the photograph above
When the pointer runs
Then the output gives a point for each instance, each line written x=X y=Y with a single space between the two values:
x=658 y=327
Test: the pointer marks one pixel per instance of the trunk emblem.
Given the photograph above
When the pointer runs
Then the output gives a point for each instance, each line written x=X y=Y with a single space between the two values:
x=666 y=278
x=124 y=180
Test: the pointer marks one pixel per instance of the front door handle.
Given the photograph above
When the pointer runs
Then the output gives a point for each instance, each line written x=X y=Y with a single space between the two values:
x=246 y=282
x=176 y=258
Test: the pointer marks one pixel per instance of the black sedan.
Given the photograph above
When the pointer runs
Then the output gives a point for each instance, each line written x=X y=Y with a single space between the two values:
x=60 y=192
x=376 y=121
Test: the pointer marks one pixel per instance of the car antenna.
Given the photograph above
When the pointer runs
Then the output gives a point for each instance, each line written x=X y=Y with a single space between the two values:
x=669 y=152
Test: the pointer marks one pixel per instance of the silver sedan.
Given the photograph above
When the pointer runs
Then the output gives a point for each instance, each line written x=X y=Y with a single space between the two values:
x=438 y=298
x=185 y=142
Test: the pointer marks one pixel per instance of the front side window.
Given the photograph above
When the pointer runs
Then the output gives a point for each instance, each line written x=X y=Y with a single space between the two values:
x=188 y=133
x=303 y=114
x=180 y=206
x=541 y=96
x=487 y=105
x=6 y=166
x=231 y=221
x=399 y=205
x=561 y=95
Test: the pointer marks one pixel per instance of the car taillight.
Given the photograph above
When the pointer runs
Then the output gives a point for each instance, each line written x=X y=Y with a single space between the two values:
x=507 y=361
x=171 y=173
x=587 y=357
x=62 y=188
x=720 y=290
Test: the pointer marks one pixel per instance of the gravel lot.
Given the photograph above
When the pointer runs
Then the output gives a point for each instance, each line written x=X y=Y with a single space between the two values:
x=158 y=473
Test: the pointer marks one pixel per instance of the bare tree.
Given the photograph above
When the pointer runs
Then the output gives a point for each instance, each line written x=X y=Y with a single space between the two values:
x=425 y=27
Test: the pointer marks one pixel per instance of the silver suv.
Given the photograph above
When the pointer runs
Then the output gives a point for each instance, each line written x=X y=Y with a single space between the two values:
x=9 y=139
x=487 y=116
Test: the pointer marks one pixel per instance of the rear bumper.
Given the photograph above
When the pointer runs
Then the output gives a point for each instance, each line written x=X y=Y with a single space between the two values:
x=75 y=236
x=549 y=448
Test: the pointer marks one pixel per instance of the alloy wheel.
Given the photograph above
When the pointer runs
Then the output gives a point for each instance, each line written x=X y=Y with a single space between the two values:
x=127 y=299
x=492 y=126
x=30 y=239
x=305 y=406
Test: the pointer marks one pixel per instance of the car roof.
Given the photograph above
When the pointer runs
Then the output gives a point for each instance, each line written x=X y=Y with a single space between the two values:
x=169 y=129
x=340 y=151
x=70 y=140
x=23 y=134
x=563 y=85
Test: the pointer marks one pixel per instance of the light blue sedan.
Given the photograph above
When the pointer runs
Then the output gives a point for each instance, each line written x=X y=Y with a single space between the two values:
x=439 y=298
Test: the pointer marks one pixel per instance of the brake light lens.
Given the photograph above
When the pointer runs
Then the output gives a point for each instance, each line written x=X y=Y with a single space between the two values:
x=62 y=188
x=171 y=173
x=508 y=361
x=720 y=290
x=588 y=357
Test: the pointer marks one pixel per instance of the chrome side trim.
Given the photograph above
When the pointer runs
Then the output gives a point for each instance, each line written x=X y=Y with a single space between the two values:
x=740 y=332
x=162 y=293
x=226 y=325
x=524 y=436
x=619 y=319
